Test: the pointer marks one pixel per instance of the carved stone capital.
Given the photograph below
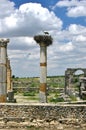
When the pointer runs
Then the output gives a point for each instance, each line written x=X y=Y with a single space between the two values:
x=3 y=42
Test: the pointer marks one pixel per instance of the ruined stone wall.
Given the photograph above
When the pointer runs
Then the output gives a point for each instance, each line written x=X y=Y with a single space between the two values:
x=36 y=89
x=25 y=89
x=33 y=114
x=43 y=111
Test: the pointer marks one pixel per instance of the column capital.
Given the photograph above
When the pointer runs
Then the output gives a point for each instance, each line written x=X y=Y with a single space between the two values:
x=3 y=42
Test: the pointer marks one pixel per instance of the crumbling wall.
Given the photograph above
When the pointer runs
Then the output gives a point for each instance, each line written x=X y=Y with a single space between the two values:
x=69 y=79
x=30 y=113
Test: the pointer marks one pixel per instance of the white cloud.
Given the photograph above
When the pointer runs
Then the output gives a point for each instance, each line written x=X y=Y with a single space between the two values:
x=21 y=43
x=69 y=3
x=10 y=22
x=75 y=8
x=77 y=11
x=6 y=8
x=67 y=47
x=77 y=29
x=23 y=48
x=81 y=38
x=23 y=53
x=28 y=20
x=66 y=3
x=69 y=34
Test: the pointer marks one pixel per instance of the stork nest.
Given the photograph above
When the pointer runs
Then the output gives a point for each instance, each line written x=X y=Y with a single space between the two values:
x=46 y=39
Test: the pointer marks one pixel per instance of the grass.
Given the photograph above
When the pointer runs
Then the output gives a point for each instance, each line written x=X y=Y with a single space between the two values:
x=56 y=98
x=73 y=98
x=29 y=94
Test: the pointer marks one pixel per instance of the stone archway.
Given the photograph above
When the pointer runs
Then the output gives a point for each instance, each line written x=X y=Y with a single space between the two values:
x=69 y=73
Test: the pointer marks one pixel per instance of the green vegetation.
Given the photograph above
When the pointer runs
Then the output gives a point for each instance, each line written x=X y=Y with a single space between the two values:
x=29 y=94
x=73 y=98
x=56 y=100
x=56 y=82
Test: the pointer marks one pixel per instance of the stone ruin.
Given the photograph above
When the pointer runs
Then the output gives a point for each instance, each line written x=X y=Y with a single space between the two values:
x=5 y=73
x=9 y=76
x=10 y=92
x=69 y=88
x=82 y=87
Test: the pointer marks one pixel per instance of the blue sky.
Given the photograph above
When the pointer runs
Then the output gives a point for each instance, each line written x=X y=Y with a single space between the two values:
x=65 y=20
x=45 y=3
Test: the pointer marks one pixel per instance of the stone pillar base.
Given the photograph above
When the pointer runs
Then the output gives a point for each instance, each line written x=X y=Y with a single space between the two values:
x=10 y=97
x=42 y=93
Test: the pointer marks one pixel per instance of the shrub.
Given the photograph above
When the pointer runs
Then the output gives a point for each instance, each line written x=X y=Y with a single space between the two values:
x=55 y=100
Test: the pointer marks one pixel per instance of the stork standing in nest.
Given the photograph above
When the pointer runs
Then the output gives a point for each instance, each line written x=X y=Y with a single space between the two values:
x=46 y=33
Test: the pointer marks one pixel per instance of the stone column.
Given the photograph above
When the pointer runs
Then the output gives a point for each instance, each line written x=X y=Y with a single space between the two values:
x=3 y=69
x=43 y=41
x=10 y=92
x=43 y=73
x=66 y=82
x=9 y=76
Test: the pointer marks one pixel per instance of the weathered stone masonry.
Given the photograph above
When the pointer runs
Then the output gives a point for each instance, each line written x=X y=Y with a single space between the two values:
x=69 y=73
x=3 y=69
x=9 y=76
x=42 y=112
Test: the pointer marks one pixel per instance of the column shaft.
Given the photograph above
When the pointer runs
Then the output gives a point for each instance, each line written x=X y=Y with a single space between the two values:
x=3 y=69
x=9 y=76
x=3 y=72
x=43 y=73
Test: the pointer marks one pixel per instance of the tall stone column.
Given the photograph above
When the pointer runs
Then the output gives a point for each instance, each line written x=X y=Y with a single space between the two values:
x=43 y=72
x=43 y=41
x=3 y=69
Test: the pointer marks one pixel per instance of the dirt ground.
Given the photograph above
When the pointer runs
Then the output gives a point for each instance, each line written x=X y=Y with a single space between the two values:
x=24 y=99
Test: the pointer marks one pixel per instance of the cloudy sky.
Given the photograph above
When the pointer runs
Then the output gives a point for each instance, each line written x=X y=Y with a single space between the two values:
x=65 y=20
